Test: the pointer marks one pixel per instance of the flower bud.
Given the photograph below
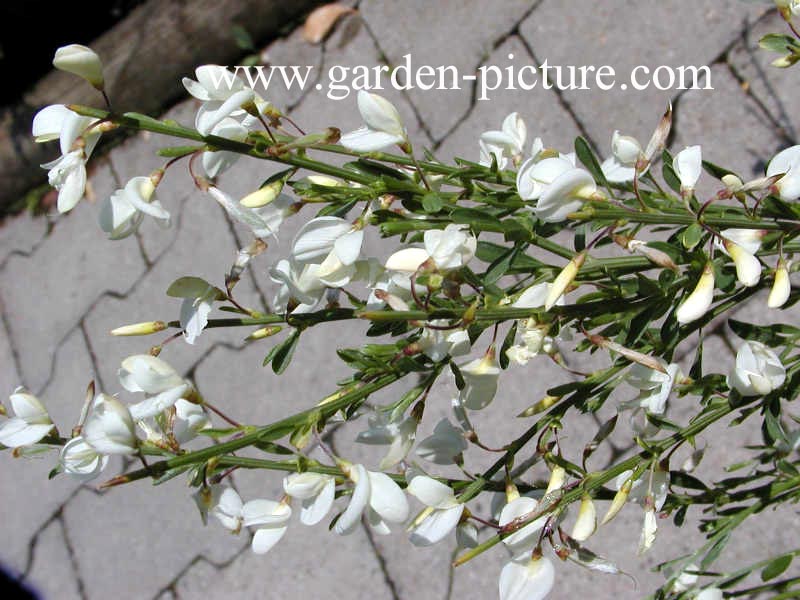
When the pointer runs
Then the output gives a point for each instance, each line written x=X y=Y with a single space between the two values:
x=81 y=61
x=781 y=288
x=541 y=406
x=699 y=301
x=748 y=267
x=557 y=477
x=264 y=332
x=263 y=196
x=688 y=165
x=586 y=523
x=564 y=279
x=145 y=328
x=618 y=502
x=658 y=257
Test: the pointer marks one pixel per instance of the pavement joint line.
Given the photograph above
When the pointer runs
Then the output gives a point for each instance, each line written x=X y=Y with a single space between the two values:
x=5 y=324
x=510 y=33
x=92 y=355
x=743 y=42
x=387 y=577
x=73 y=557
x=29 y=253
x=171 y=586
x=563 y=103
x=383 y=58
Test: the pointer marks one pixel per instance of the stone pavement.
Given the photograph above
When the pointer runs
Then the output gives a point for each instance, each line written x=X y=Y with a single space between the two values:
x=63 y=286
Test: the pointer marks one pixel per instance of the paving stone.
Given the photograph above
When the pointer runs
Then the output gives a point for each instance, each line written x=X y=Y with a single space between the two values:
x=730 y=127
x=20 y=234
x=148 y=535
x=775 y=88
x=561 y=32
x=540 y=108
x=203 y=248
x=399 y=30
x=290 y=51
x=308 y=562
x=52 y=573
x=49 y=292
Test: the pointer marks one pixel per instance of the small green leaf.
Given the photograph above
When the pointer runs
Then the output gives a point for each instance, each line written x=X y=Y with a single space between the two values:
x=691 y=236
x=242 y=38
x=432 y=203
x=584 y=153
x=283 y=353
x=775 y=42
x=776 y=567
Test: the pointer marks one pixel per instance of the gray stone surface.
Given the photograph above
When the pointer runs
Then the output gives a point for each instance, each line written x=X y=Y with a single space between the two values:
x=62 y=291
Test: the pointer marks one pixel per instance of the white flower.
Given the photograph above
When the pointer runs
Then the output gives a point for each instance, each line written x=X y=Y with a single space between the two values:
x=223 y=94
x=160 y=383
x=300 y=289
x=781 y=287
x=526 y=578
x=448 y=248
x=655 y=483
x=206 y=498
x=190 y=419
x=654 y=386
x=109 y=428
x=68 y=175
x=443 y=513
x=688 y=165
x=649 y=529
x=216 y=163
x=686 y=580
x=317 y=492
x=487 y=152
x=537 y=174
x=383 y=125
x=81 y=61
x=148 y=374
x=620 y=167
x=228 y=510
x=399 y=436
x=80 y=460
x=533 y=334
x=68 y=172
x=709 y=593
x=480 y=381
x=466 y=535
x=198 y=300
x=379 y=496
x=524 y=539
x=451 y=247
x=444 y=445
x=270 y=519
x=508 y=142
x=122 y=213
x=787 y=161
x=699 y=301
x=757 y=370
x=29 y=424
x=436 y=344
x=564 y=195
x=741 y=245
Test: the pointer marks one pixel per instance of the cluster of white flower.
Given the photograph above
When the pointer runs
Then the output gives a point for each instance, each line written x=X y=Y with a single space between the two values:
x=327 y=257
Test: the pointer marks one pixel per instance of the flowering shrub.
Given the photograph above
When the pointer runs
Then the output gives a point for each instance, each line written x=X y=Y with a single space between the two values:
x=649 y=265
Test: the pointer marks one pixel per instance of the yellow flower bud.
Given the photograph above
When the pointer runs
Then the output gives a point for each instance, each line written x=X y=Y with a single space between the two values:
x=618 y=502
x=145 y=328
x=557 y=477
x=564 y=280
x=699 y=301
x=264 y=332
x=263 y=196
x=781 y=288
x=586 y=522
